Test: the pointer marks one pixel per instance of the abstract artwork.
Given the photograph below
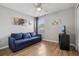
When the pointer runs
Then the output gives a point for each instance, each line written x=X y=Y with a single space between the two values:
x=19 y=21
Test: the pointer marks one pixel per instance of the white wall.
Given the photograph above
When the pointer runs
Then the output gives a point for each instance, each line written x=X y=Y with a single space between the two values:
x=7 y=26
x=51 y=32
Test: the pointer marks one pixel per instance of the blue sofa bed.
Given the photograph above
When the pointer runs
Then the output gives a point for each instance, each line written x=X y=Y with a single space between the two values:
x=18 y=41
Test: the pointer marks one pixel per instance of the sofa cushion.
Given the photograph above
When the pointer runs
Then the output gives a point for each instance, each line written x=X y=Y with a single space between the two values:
x=33 y=34
x=17 y=36
x=21 y=41
x=37 y=37
x=26 y=35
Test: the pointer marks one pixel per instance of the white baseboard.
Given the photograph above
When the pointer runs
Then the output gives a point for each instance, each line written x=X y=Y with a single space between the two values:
x=4 y=47
x=50 y=40
x=71 y=44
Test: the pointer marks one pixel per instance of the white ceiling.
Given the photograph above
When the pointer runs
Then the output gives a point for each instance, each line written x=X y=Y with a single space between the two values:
x=29 y=8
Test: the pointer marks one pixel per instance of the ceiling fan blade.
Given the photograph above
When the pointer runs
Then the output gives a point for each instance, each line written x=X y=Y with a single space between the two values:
x=38 y=5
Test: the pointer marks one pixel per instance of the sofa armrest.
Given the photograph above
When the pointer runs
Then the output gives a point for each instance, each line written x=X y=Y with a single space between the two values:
x=11 y=42
x=40 y=36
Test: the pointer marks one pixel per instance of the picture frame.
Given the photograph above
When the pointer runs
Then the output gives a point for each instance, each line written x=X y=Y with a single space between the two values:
x=19 y=21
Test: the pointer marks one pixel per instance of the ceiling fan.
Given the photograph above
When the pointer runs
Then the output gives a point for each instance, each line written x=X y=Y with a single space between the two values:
x=40 y=7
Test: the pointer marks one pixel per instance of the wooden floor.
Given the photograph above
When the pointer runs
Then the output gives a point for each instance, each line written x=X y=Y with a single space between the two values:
x=43 y=48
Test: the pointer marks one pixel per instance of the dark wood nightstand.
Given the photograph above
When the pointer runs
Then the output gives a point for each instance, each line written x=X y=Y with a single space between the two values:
x=64 y=41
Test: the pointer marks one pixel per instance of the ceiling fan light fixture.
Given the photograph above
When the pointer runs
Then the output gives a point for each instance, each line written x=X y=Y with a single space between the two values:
x=38 y=8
